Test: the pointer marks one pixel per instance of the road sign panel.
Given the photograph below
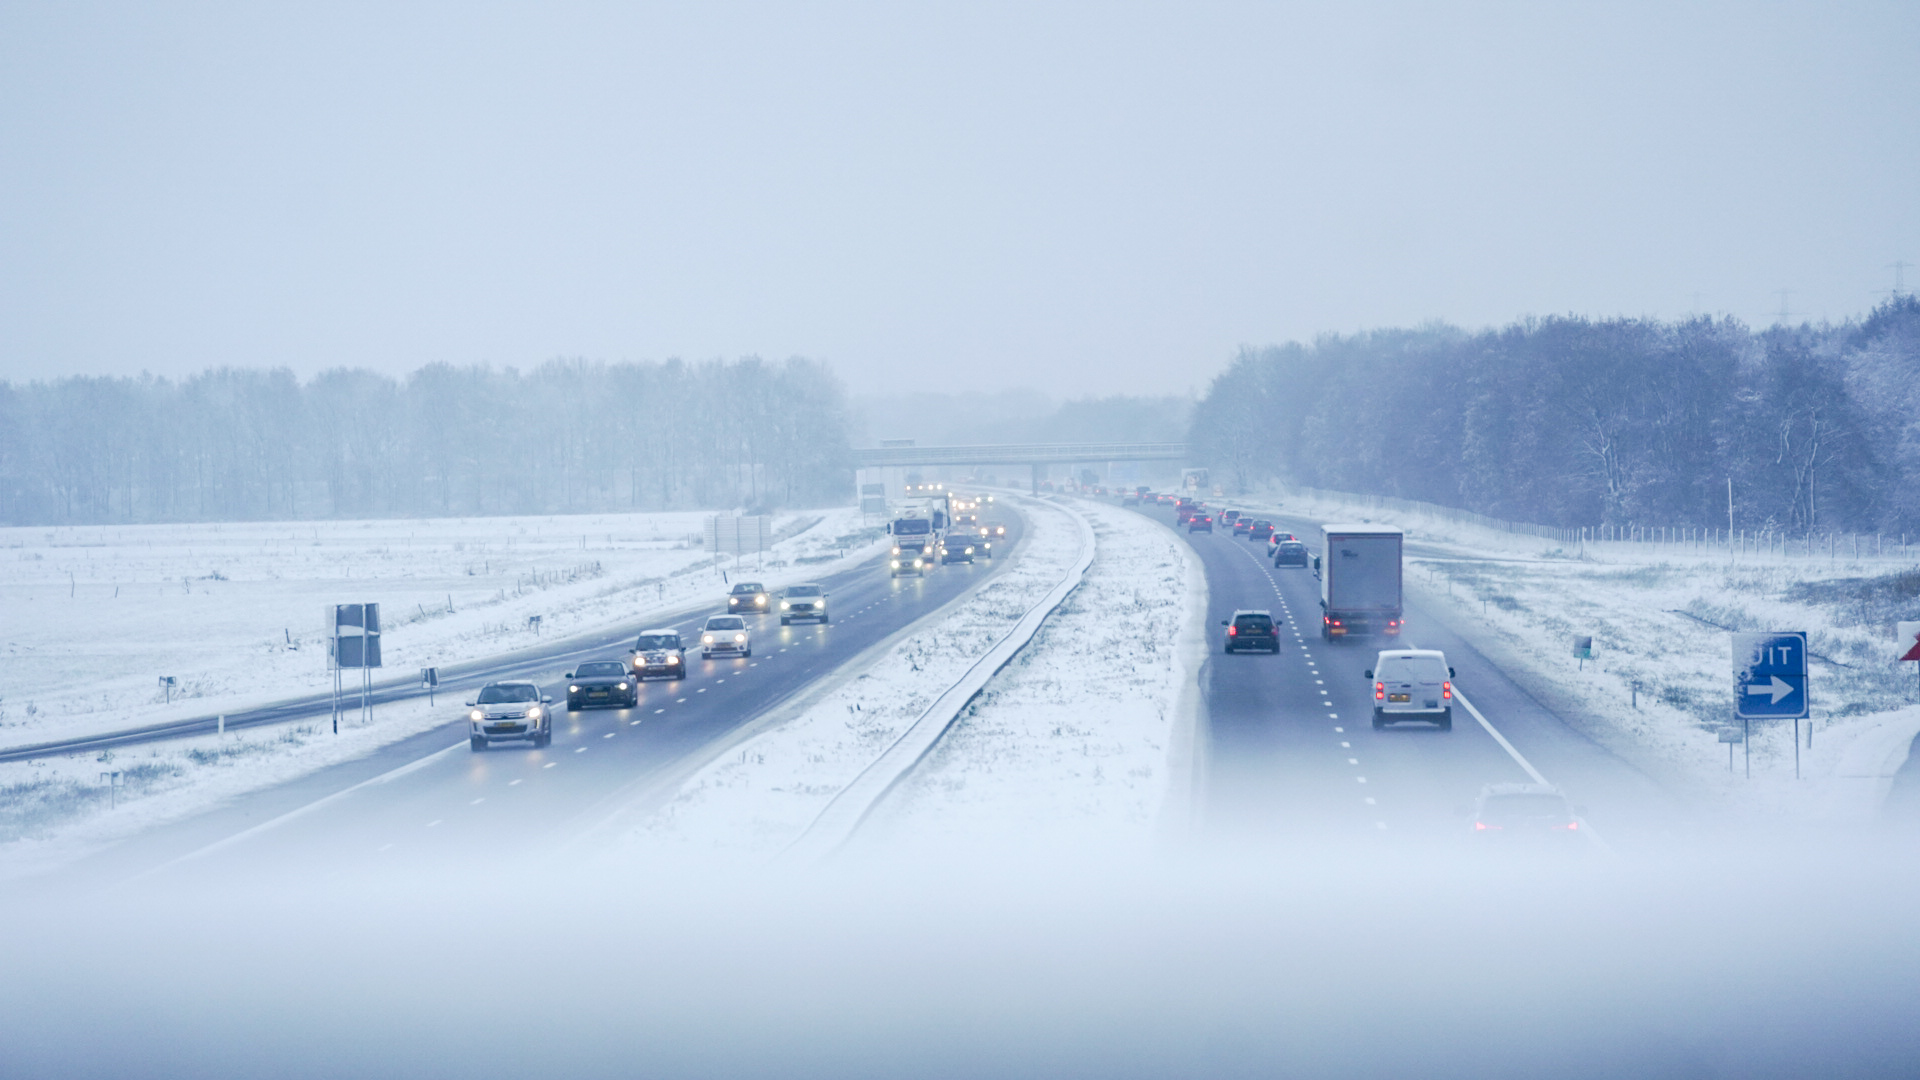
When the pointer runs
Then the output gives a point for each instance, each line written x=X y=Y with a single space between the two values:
x=1770 y=675
x=1909 y=634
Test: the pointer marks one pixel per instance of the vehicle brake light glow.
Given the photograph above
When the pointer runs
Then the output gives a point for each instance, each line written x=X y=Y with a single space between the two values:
x=1233 y=631
x=1446 y=690
x=1379 y=691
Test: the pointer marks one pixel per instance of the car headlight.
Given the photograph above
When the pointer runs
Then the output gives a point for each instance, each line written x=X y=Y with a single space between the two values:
x=673 y=659
x=738 y=638
x=476 y=716
x=896 y=549
x=969 y=550
x=896 y=564
x=533 y=713
x=573 y=689
x=706 y=639
x=784 y=605
x=623 y=686
x=760 y=600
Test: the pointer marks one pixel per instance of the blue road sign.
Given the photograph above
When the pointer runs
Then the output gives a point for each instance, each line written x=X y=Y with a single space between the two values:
x=1770 y=676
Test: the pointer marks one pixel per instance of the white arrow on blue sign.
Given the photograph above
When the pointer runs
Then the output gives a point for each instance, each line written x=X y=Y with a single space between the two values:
x=1770 y=675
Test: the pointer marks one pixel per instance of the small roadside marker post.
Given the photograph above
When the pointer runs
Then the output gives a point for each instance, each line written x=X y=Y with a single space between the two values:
x=429 y=678
x=1583 y=650
x=1729 y=736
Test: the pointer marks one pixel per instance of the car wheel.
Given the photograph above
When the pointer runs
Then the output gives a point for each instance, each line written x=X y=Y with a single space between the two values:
x=681 y=674
x=784 y=621
x=706 y=656
x=1379 y=722
x=824 y=619
x=477 y=742
x=746 y=653
x=543 y=740
x=572 y=705
x=1446 y=721
x=1228 y=649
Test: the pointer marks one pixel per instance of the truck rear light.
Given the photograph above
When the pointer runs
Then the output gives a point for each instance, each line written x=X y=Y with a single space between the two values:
x=1446 y=690
x=1379 y=691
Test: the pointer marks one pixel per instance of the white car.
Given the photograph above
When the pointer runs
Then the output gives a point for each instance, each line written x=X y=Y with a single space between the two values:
x=509 y=710
x=806 y=601
x=725 y=634
x=1412 y=684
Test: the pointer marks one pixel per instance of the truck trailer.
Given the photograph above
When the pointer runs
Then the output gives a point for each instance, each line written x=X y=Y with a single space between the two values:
x=1359 y=569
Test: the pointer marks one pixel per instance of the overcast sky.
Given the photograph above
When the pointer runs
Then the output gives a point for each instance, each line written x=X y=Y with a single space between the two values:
x=1085 y=198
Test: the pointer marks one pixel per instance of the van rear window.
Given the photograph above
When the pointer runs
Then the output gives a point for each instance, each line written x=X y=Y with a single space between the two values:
x=1254 y=622
x=1419 y=669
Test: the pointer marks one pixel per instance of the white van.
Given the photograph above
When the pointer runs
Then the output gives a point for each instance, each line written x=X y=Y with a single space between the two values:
x=1412 y=684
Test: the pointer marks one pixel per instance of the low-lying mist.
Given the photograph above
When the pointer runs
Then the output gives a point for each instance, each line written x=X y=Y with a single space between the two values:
x=1251 y=961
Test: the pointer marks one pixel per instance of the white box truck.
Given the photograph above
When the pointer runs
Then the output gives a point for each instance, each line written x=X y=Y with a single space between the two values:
x=1359 y=568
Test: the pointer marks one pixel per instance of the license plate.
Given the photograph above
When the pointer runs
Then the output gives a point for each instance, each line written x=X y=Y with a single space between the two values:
x=1399 y=697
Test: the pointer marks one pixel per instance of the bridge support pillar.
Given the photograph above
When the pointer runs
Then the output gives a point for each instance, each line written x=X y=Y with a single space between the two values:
x=1039 y=471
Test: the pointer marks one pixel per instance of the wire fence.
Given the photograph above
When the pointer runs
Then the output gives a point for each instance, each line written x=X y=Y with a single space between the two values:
x=1833 y=546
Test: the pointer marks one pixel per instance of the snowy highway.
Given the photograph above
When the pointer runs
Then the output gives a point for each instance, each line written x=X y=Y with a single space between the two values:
x=1292 y=757
x=429 y=797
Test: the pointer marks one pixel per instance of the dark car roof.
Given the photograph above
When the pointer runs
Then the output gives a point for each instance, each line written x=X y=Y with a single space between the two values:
x=748 y=587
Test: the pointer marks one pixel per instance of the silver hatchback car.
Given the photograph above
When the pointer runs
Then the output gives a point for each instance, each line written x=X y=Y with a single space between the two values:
x=725 y=634
x=509 y=710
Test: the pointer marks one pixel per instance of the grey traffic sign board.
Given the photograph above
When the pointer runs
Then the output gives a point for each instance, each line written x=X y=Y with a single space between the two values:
x=1770 y=675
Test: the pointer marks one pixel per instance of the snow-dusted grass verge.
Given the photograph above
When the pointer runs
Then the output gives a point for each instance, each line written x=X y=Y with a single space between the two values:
x=55 y=808
x=1071 y=745
x=92 y=617
x=765 y=792
x=1660 y=617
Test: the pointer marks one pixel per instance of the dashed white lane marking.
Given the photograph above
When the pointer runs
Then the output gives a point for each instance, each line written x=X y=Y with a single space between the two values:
x=678 y=701
x=633 y=723
x=1353 y=761
x=1362 y=779
x=1346 y=746
x=717 y=682
x=434 y=822
x=1371 y=801
x=385 y=847
x=1342 y=731
x=1379 y=824
x=657 y=712
x=478 y=801
x=581 y=750
x=608 y=735
x=702 y=690
x=549 y=764
x=510 y=783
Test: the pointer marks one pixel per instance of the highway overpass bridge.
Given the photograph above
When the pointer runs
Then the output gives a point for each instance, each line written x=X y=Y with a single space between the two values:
x=1036 y=456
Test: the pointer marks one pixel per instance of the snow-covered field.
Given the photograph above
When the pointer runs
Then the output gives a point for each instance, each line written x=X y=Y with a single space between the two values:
x=1081 y=742
x=1660 y=617
x=221 y=635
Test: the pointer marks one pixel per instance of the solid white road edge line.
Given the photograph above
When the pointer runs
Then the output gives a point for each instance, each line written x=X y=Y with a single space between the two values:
x=1592 y=833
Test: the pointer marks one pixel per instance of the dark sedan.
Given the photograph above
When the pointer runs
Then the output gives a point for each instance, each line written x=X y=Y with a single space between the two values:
x=602 y=683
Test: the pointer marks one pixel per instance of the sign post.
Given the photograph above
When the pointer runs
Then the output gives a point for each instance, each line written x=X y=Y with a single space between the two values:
x=1769 y=681
x=1583 y=650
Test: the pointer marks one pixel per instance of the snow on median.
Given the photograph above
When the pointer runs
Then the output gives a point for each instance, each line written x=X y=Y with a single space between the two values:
x=1073 y=745
x=764 y=792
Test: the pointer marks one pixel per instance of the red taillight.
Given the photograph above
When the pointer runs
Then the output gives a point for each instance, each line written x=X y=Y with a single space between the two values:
x=1379 y=691
x=1573 y=825
x=1446 y=690
x=1233 y=631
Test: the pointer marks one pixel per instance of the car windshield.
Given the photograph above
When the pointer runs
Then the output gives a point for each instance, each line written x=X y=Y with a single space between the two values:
x=650 y=642
x=1253 y=622
x=599 y=668
x=1513 y=809
x=804 y=590
x=1420 y=669
x=1292 y=545
x=746 y=588
x=726 y=622
x=507 y=694
x=912 y=527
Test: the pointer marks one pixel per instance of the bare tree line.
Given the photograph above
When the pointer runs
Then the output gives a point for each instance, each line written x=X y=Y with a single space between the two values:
x=1571 y=421
x=568 y=436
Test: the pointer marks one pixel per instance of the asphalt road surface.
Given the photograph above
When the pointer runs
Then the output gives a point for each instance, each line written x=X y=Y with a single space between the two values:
x=431 y=797
x=1293 y=757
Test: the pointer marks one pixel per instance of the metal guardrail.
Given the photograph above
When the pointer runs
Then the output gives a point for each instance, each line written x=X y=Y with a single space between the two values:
x=1020 y=454
x=843 y=816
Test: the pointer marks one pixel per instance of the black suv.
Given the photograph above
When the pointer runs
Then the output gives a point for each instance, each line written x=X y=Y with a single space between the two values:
x=1289 y=553
x=1252 y=630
